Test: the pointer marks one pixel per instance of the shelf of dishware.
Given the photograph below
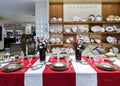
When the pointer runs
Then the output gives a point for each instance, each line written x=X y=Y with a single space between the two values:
x=86 y=22
x=110 y=43
x=98 y=30
x=78 y=33
x=56 y=44
x=94 y=43
x=70 y=45
x=56 y=33
x=104 y=33
x=67 y=45
x=70 y=33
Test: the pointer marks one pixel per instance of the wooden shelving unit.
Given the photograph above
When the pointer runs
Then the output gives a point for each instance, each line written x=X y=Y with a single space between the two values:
x=108 y=8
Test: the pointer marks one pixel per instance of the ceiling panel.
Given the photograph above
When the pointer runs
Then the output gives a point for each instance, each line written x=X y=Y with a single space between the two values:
x=17 y=11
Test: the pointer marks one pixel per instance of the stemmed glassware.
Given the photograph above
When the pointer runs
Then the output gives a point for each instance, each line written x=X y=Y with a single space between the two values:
x=51 y=56
x=68 y=55
x=58 y=54
x=22 y=57
x=29 y=59
x=96 y=57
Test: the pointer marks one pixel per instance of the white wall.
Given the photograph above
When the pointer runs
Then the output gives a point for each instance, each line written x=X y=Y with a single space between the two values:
x=2 y=42
x=41 y=17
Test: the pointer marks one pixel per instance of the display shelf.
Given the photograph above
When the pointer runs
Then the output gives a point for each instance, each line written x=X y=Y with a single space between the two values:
x=56 y=44
x=94 y=43
x=57 y=10
x=67 y=45
x=71 y=33
x=83 y=22
x=110 y=43
x=55 y=22
x=86 y=22
x=56 y=33
x=116 y=33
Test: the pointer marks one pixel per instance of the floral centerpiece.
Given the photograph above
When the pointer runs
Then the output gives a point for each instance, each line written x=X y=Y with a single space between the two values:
x=79 y=45
x=42 y=47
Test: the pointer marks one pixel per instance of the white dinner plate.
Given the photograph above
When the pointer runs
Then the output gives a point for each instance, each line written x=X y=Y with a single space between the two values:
x=59 y=19
x=58 y=40
x=92 y=17
x=74 y=29
x=67 y=30
x=83 y=29
x=97 y=40
x=111 y=39
x=52 y=40
x=109 y=29
x=76 y=18
x=98 y=18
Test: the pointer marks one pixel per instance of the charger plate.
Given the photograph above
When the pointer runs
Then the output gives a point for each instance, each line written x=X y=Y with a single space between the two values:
x=59 y=66
x=12 y=67
x=106 y=66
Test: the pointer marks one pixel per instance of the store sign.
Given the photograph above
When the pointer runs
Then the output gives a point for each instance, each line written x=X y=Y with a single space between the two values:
x=81 y=10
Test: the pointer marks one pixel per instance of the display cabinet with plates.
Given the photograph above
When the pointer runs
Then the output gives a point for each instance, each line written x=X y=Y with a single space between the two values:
x=96 y=30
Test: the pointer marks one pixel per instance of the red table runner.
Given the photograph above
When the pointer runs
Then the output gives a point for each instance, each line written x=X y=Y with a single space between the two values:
x=14 y=78
x=59 y=78
x=106 y=78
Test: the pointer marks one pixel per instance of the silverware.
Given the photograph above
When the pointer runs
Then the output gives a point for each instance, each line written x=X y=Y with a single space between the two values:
x=37 y=66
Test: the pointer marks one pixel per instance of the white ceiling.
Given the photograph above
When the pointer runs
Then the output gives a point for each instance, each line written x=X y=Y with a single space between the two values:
x=16 y=11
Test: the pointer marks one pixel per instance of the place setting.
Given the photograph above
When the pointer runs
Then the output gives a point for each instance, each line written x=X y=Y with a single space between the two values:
x=59 y=61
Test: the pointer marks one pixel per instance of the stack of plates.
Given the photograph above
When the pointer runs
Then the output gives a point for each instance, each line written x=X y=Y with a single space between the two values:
x=97 y=29
x=83 y=29
x=59 y=66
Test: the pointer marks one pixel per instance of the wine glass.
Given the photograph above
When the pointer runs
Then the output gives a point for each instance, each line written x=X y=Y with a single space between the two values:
x=96 y=56
x=51 y=56
x=22 y=57
x=68 y=55
x=29 y=59
x=58 y=54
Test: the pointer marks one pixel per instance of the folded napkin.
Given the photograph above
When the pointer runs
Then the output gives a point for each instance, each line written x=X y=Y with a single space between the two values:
x=117 y=62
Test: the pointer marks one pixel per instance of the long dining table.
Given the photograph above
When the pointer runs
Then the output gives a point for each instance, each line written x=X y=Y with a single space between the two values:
x=76 y=75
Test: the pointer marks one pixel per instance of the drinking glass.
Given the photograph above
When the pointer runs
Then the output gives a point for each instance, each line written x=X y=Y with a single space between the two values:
x=96 y=57
x=22 y=57
x=68 y=55
x=58 y=54
x=51 y=56
x=102 y=58
x=29 y=59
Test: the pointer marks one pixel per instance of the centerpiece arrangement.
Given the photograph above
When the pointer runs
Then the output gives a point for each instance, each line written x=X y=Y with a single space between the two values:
x=79 y=45
x=42 y=47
